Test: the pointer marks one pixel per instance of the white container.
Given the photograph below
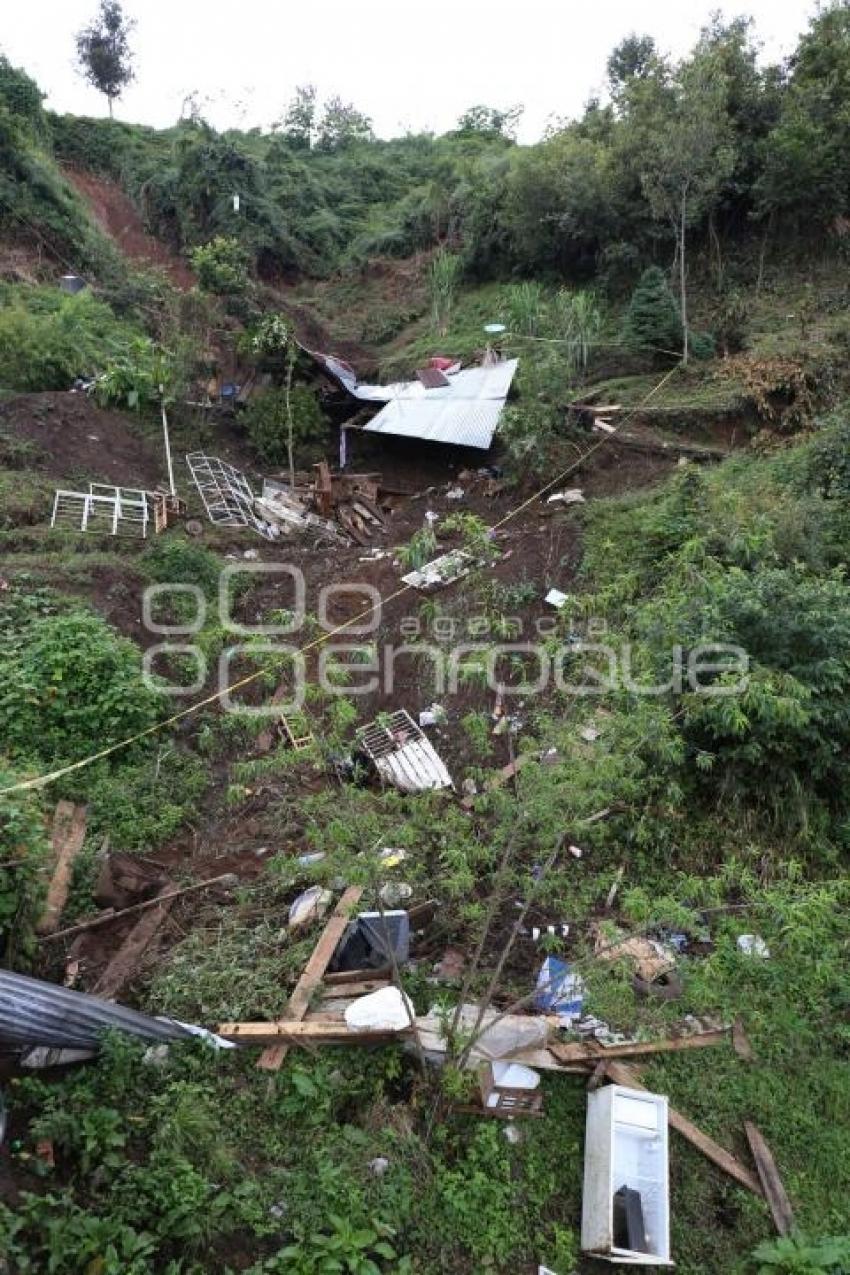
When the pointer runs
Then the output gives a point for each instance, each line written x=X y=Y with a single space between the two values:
x=626 y=1145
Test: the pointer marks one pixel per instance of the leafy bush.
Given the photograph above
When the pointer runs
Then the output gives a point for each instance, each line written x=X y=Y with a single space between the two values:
x=266 y=421
x=23 y=855
x=47 y=339
x=798 y=1255
x=222 y=266
x=70 y=685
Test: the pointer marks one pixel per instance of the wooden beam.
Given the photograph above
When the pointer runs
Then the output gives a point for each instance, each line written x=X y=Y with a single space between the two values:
x=106 y=917
x=311 y=976
x=775 y=1193
x=67 y=837
x=126 y=960
x=623 y=1075
x=592 y=1052
x=316 y=1031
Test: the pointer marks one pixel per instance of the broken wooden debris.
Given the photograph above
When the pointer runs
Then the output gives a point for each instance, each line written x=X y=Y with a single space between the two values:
x=593 y=1051
x=623 y=1075
x=311 y=976
x=125 y=962
x=67 y=838
x=226 y=878
x=284 y=1033
x=771 y=1182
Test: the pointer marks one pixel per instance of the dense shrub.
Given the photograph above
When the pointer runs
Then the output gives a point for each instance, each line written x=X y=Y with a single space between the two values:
x=47 y=339
x=23 y=855
x=266 y=421
x=70 y=685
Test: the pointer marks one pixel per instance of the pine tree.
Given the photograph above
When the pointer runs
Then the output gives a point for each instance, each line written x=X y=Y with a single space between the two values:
x=653 y=321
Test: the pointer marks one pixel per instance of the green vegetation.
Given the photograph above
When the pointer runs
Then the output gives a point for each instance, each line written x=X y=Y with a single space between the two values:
x=700 y=210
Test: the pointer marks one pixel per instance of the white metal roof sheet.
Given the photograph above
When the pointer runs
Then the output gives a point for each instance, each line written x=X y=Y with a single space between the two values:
x=464 y=412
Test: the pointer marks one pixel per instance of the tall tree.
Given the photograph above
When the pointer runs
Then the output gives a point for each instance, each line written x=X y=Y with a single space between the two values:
x=680 y=134
x=103 y=51
x=342 y=124
x=299 y=120
x=632 y=59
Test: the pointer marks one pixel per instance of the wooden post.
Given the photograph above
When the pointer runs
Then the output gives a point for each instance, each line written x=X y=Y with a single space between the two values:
x=68 y=836
x=777 y=1198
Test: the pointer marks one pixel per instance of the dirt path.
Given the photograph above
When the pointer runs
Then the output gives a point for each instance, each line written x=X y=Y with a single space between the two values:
x=116 y=214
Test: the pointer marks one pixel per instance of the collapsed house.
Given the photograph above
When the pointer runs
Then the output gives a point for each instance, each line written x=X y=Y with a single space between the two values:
x=460 y=406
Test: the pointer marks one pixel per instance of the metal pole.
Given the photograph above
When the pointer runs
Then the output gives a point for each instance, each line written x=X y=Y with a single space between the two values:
x=171 y=486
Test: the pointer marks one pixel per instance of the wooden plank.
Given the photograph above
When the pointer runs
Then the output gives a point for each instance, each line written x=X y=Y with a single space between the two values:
x=623 y=1075
x=315 y=1031
x=125 y=962
x=311 y=976
x=361 y=988
x=741 y=1042
x=356 y=976
x=592 y=1051
x=502 y=776
x=775 y=1193
x=67 y=837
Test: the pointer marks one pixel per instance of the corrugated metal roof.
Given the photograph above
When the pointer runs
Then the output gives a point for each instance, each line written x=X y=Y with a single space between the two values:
x=464 y=412
x=37 y=1013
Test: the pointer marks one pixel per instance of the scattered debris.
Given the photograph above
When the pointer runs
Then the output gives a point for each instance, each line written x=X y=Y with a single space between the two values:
x=509 y=1089
x=626 y=1198
x=378 y=1166
x=441 y=571
x=226 y=493
x=753 y=945
x=572 y=496
x=431 y=716
x=589 y=734
x=450 y=967
x=559 y=990
x=126 y=960
x=741 y=1042
x=311 y=976
x=455 y=493
x=309 y=907
x=603 y=427
x=387 y=1010
x=556 y=598
x=371 y=941
x=772 y=1186
x=225 y=879
x=113 y=511
x=592 y=1051
x=653 y=963
x=394 y=893
x=402 y=755
x=67 y=840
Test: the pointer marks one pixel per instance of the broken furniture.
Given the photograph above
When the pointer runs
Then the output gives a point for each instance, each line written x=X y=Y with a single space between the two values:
x=225 y=492
x=402 y=754
x=113 y=511
x=626 y=1199
x=509 y=1089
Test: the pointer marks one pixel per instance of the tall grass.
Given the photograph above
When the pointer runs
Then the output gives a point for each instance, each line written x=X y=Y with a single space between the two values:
x=443 y=278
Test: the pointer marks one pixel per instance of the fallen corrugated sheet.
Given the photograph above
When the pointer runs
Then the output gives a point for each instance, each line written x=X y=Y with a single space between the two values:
x=403 y=755
x=36 y=1013
x=464 y=412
